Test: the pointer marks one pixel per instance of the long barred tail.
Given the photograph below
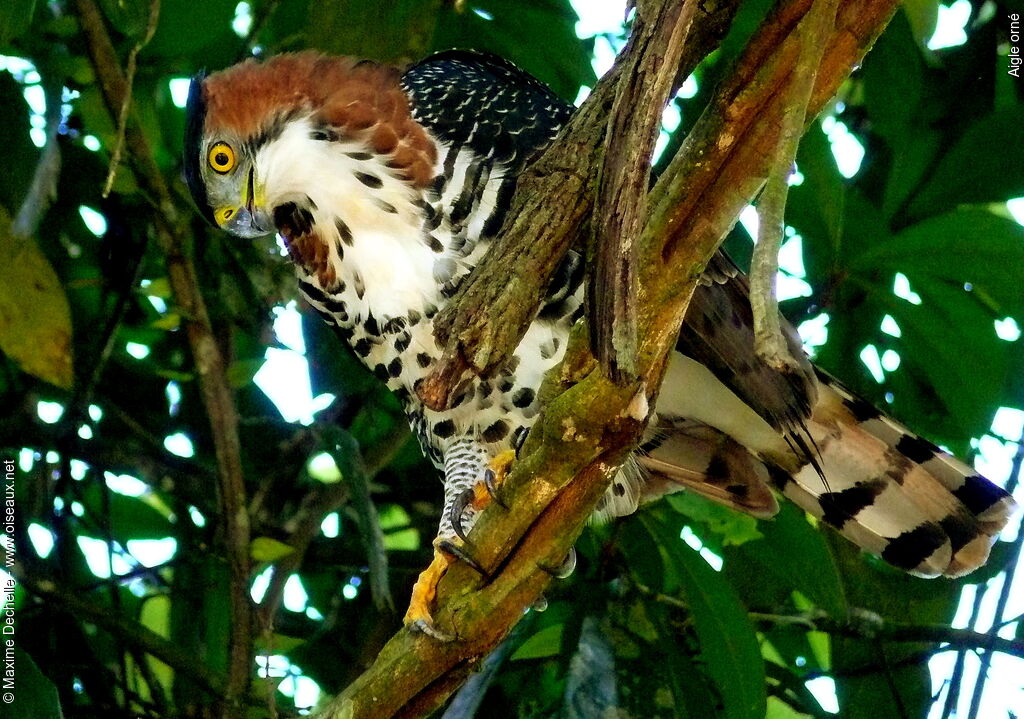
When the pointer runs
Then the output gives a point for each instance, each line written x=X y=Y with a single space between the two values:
x=893 y=492
x=880 y=485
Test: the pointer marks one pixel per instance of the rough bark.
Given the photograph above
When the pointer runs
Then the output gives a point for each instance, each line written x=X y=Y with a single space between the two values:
x=623 y=178
x=484 y=323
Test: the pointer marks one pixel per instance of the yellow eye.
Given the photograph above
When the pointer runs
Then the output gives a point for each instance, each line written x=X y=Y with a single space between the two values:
x=221 y=158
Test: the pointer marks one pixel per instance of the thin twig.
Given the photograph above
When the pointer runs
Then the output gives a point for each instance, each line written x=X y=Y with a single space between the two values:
x=43 y=189
x=122 y=115
x=769 y=342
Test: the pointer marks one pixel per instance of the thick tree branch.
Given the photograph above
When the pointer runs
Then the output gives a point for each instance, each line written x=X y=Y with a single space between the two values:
x=589 y=423
x=209 y=364
x=484 y=323
x=623 y=178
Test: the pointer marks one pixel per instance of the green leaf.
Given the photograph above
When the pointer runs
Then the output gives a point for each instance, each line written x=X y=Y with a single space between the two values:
x=129 y=17
x=144 y=517
x=815 y=207
x=728 y=642
x=15 y=19
x=670 y=663
x=538 y=36
x=199 y=30
x=155 y=615
x=983 y=165
x=266 y=549
x=173 y=322
x=393 y=516
x=545 y=643
x=923 y=16
x=277 y=643
x=240 y=373
x=894 y=82
x=160 y=287
x=20 y=155
x=969 y=245
x=809 y=565
x=403 y=29
x=778 y=709
x=913 y=157
x=935 y=334
x=35 y=319
x=35 y=697
x=734 y=527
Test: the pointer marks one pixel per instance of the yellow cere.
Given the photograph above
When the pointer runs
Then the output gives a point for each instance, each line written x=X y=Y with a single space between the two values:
x=221 y=158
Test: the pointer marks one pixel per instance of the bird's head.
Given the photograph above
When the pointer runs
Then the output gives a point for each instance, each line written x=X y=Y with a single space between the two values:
x=258 y=137
x=220 y=169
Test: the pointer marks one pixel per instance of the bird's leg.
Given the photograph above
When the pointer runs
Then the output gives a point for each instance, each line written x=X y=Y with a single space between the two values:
x=418 y=616
x=465 y=495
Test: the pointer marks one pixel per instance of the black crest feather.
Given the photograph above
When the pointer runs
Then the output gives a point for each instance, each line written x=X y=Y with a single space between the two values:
x=195 y=119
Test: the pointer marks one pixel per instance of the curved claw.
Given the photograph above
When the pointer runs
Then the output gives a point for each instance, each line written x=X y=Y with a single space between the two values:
x=459 y=553
x=425 y=627
x=491 y=485
x=519 y=439
x=565 y=569
x=455 y=513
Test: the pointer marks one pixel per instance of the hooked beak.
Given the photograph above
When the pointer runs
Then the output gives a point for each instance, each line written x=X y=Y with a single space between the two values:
x=250 y=219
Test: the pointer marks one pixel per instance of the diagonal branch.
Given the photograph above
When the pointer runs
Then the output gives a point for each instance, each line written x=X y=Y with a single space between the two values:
x=210 y=366
x=623 y=178
x=484 y=323
x=589 y=423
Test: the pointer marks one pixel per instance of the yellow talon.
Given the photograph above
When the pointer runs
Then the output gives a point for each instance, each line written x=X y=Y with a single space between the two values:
x=424 y=592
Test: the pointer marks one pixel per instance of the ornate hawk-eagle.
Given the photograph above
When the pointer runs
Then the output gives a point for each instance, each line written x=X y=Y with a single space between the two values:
x=388 y=188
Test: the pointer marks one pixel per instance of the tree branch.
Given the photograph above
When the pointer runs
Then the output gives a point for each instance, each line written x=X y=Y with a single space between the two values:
x=589 y=424
x=210 y=366
x=484 y=322
x=864 y=624
x=769 y=342
x=887 y=630
x=623 y=178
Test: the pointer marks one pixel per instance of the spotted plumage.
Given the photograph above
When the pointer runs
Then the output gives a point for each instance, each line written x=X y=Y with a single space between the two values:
x=387 y=189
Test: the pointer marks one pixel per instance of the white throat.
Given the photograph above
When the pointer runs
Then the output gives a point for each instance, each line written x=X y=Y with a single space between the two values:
x=385 y=262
